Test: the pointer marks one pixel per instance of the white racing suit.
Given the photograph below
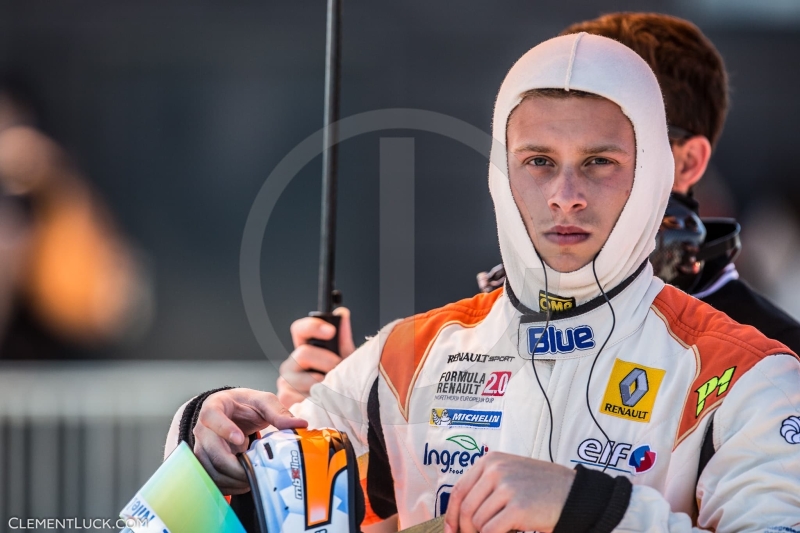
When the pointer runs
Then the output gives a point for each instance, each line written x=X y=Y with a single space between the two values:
x=677 y=381
x=702 y=414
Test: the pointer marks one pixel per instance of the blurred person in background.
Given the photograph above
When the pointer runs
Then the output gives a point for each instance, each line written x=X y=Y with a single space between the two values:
x=69 y=282
x=696 y=257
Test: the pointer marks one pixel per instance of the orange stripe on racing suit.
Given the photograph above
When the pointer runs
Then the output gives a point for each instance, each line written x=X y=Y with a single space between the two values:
x=412 y=337
x=724 y=350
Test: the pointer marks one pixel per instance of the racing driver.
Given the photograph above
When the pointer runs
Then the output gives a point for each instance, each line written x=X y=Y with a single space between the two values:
x=637 y=408
x=693 y=80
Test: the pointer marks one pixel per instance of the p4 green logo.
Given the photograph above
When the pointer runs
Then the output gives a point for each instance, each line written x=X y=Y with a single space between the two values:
x=717 y=383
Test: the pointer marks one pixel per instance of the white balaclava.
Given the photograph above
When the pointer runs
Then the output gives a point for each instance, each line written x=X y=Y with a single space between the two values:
x=609 y=69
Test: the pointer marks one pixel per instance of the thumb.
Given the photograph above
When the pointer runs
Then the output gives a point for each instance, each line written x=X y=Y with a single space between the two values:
x=346 y=344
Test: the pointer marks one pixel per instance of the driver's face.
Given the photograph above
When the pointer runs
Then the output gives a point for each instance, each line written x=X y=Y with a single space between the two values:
x=571 y=166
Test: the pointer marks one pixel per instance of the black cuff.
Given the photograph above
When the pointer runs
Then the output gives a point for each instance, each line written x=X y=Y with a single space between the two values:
x=190 y=415
x=596 y=503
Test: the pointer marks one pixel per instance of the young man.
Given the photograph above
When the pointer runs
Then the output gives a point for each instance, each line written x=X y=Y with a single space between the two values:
x=671 y=411
x=694 y=83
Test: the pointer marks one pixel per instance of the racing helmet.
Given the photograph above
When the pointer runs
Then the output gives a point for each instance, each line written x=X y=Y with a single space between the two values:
x=685 y=243
x=678 y=244
x=304 y=480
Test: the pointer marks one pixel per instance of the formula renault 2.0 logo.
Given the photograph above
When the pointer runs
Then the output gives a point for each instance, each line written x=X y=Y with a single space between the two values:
x=466 y=418
x=555 y=341
x=592 y=452
x=461 y=382
x=631 y=391
x=473 y=383
x=497 y=384
x=455 y=460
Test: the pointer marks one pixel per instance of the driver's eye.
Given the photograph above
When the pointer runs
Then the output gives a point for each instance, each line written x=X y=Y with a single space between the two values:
x=539 y=161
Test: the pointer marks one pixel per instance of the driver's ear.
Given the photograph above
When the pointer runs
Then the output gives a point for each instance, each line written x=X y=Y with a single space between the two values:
x=691 y=160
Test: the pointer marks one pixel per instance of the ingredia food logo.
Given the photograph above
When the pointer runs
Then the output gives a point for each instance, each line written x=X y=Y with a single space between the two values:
x=454 y=459
x=631 y=391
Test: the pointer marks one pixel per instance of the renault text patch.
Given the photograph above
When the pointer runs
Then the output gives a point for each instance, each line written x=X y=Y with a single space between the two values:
x=465 y=357
x=466 y=418
x=631 y=391
x=555 y=303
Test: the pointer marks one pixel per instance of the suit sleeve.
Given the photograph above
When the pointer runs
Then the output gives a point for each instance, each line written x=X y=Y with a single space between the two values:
x=340 y=400
x=752 y=482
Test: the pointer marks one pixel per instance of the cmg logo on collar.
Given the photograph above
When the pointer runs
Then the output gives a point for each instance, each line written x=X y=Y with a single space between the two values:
x=555 y=341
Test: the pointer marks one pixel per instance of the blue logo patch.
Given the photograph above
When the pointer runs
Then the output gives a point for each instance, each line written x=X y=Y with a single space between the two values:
x=442 y=499
x=554 y=340
x=471 y=418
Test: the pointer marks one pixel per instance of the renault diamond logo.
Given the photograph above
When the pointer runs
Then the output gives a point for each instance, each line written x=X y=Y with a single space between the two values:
x=633 y=387
x=631 y=391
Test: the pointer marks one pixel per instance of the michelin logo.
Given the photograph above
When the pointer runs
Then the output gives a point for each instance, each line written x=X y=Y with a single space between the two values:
x=471 y=418
x=555 y=341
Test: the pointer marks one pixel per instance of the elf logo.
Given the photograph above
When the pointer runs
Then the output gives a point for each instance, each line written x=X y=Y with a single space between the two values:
x=642 y=459
x=554 y=340
x=592 y=452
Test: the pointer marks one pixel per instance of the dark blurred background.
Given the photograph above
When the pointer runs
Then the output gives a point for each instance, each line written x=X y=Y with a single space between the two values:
x=143 y=131
x=175 y=113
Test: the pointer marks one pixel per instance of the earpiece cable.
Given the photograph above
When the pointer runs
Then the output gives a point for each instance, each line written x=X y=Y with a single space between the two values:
x=591 y=371
x=533 y=363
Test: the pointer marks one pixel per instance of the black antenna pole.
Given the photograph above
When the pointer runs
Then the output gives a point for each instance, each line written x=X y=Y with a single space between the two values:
x=328 y=297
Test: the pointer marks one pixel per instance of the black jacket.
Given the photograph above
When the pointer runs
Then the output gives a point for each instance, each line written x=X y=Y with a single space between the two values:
x=743 y=304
